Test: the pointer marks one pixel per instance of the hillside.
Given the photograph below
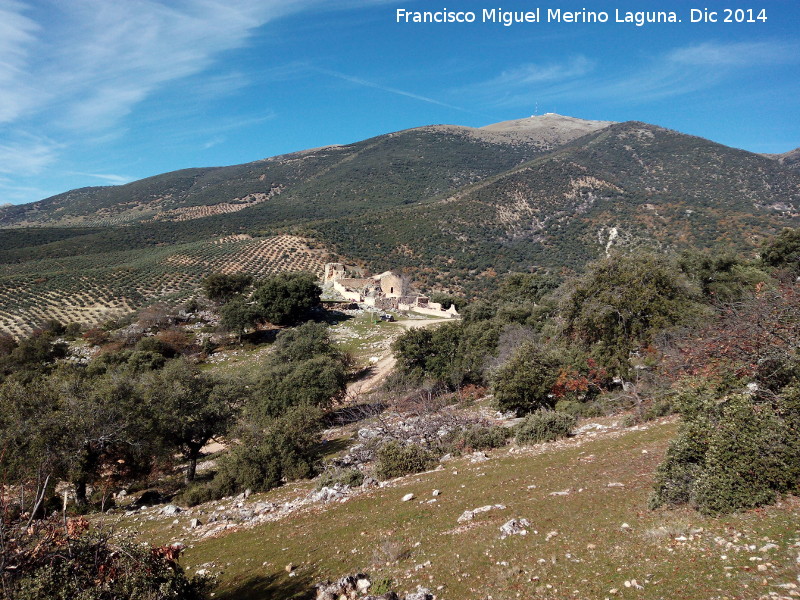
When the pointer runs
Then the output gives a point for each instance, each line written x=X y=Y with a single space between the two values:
x=453 y=205
x=590 y=533
x=790 y=159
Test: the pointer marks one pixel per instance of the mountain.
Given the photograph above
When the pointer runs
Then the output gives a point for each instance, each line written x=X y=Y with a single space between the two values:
x=453 y=205
x=790 y=159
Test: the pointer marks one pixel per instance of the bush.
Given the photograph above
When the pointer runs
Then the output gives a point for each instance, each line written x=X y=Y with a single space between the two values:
x=285 y=449
x=525 y=382
x=731 y=455
x=544 y=426
x=351 y=477
x=396 y=460
x=94 y=568
x=480 y=437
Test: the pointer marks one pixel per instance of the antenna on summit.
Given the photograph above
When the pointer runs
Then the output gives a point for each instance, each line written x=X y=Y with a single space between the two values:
x=536 y=110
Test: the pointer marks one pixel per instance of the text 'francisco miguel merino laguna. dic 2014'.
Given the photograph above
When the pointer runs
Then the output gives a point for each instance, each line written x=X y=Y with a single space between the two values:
x=557 y=15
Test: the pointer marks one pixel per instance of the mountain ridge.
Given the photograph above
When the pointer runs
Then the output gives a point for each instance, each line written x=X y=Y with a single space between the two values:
x=453 y=206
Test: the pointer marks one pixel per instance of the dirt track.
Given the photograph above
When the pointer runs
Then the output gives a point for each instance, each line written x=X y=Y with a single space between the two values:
x=385 y=364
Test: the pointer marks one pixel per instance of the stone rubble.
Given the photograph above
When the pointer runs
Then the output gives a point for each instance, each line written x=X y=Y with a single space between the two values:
x=514 y=527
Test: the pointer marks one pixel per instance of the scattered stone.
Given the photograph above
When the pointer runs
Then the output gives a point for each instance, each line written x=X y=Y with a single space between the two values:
x=421 y=594
x=408 y=497
x=289 y=568
x=768 y=547
x=550 y=535
x=170 y=509
x=345 y=588
x=437 y=493
x=615 y=484
x=194 y=523
x=478 y=457
x=468 y=515
x=514 y=527
x=625 y=527
x=561 y=493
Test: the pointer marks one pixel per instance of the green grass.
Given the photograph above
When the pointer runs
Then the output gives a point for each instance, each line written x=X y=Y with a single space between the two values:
x=365 y=336
x=590 y=555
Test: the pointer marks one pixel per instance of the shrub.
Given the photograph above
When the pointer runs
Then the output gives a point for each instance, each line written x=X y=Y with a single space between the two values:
x=396 y=460
x=731 y=455
x=351 y=477
x=286 y=448
x=221 y=287
x=94 y=568
x=480 y=437
x=525 y=382
x=544 y=426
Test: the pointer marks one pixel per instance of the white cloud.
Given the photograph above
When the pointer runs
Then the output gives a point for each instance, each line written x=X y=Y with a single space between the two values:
x=675 y=73
x=27 y=155
x=737 y=54
x=385 y=88
x=543 y=73
x=109 y=177
x=72 y=70
x=17 y=36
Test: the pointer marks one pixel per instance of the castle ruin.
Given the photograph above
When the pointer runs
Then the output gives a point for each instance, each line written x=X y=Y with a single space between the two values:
x=385 y=291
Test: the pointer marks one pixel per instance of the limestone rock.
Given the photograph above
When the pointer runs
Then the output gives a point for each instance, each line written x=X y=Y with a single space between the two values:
x=514 y=527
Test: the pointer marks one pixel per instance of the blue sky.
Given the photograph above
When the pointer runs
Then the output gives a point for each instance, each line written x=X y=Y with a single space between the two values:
x=99 y=92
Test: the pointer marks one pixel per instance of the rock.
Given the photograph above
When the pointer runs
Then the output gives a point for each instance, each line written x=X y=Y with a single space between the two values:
x=421 y=594
x=170 y=509
x=369 y=482
x=347 y=587
x=561 y=493
x=247 y=493
x=194 y=523
x=615 y=484
x=478 y=457
x=468 y=515
x=625 y=527
x=550 y=535
x=514 y=527
x=289 y=568
x=768 y=547
x=408 y=497
x=436 y=493
x=362 y=584
x=122 y=493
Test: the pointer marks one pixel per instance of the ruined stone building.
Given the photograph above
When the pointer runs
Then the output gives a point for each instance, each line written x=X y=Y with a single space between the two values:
x=385 y=291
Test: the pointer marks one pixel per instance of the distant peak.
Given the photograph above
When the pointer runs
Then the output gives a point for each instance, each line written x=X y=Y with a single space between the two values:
x=550 y=128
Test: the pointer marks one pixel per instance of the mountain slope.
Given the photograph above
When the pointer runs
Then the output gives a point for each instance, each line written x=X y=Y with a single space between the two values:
x=629 y=183
x=391 y=169
x=454 y=205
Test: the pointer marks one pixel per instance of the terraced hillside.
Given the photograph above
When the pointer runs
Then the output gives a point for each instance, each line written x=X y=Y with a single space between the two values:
x=92 y=288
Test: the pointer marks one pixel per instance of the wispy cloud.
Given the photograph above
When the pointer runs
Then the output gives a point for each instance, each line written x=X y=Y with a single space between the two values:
x=736 y=54
x=109 y=177
x=27 y=155
x=387 y=89
x=74 y=70
x=675 y=73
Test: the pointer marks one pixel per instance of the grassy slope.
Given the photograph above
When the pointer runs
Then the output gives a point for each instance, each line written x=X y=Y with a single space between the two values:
x=589 y=556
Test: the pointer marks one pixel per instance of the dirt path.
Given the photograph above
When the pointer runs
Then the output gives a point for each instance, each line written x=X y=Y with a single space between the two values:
x=378 y=371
